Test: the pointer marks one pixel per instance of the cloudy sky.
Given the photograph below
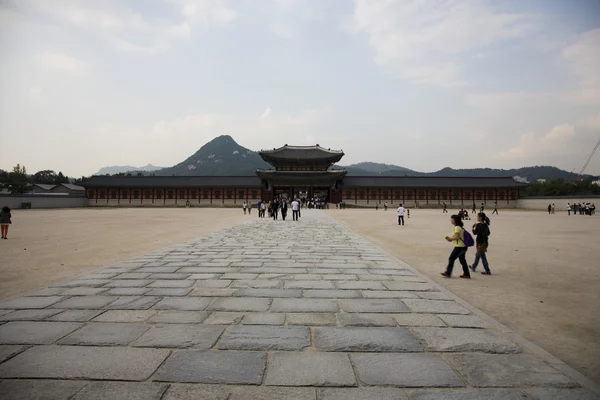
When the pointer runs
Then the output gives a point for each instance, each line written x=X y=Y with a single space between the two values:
x=423 y=84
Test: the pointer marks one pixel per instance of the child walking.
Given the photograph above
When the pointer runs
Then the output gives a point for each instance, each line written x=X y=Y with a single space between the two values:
x=482 y=230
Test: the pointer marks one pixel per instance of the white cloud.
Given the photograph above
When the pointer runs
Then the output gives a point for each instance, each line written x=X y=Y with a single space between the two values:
x=583 y=57
x=266 y=113
x=61 y=62
x=550 y=144
x=35 y=92
x=206 y=12
x=424 y=41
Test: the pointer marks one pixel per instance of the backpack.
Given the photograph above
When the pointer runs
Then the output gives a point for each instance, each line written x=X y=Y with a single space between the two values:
x=469 y=242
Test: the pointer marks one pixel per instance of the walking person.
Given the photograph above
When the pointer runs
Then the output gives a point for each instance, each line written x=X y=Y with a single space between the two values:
x=244 y=207
x=249 y=208
x=444 y=210
x=473 y=210
x=481 y=209
x=549 y=209
x=482 y=230
x=553 y=210
x=5 y=221
x=400 y=215
x=495 y=208
x=275 y=206
x=568 y=208
x=460 y=249
x=385 y=206
x=284 y=209
x=295 y=210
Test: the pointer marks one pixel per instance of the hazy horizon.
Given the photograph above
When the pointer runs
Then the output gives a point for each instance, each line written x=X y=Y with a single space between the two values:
x=419 y=84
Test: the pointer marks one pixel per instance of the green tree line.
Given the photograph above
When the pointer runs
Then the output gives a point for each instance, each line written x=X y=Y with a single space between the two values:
x=562 y=187
x=18 y=181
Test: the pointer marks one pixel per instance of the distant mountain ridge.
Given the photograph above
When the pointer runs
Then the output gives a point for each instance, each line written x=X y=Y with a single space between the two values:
x=117 y=169
x=223 y=156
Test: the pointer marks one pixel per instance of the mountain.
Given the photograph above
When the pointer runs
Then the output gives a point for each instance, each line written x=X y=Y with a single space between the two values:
x=378 y=168
x=126 y=168
x=221 y=156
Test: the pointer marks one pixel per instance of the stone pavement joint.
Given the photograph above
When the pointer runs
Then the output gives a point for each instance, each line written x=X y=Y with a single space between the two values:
x=266 y=310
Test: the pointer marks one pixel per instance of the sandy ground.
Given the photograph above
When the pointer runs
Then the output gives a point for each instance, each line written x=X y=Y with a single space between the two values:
x=546 y=272
x=546 y=282
x=46 y=246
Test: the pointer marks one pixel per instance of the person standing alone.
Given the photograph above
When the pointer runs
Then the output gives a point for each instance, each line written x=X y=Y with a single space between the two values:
x=5 y=221
x=400 y=215
x=295 y=210
x=444 y=210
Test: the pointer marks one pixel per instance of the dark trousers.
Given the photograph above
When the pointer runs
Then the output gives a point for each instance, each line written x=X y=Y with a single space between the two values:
x=295 y=215
x=283 y=214
x=460 y=253
x=495 y=211
x=400 y=219
x=275 y=214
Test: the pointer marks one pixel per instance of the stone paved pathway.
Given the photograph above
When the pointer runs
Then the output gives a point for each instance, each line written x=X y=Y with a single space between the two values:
x=264 y=310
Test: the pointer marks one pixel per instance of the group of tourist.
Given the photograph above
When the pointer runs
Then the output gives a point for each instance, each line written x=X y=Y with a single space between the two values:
x=583 y=208
x=277 y=206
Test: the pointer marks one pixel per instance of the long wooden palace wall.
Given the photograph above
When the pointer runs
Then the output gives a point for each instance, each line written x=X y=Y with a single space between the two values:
x=353 y=197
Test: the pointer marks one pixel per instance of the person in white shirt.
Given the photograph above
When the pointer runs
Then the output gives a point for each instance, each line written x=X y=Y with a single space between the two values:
x=400 y=215
x=295 y=209
x=244 y=207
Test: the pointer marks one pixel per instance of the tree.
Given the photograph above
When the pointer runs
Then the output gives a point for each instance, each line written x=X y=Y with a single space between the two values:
x=60 y=178
x=18 y=181
x=46 y=176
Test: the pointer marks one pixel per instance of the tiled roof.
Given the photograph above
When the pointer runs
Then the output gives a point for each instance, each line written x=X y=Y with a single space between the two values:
x=172 y=181
x=431 y=182
x=293 y=153
x=44 y=186
x=70 y=186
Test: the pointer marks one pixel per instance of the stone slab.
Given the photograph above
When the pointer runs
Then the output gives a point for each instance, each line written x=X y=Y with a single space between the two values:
x=388 y=294
x=363 y=319
x=309 y=369
x=434 y=296
x=240 y=304
x=105 y=334
x=359 y=285
x=271 y=293
x=169 y=292
x=174 y=283
x=264 y=319
x=30 y=302
x=126 y=291
x=128 y=283
x=304 y=305
x=507 y=370
x=122 y=390
x=452 y=394
x=405 y=370
x=464 y=339
x=29 y=315
x=39 y=389
x=213 y=292
x=561 y=394
x=224 y=318
x=435 y=306
x=257 y=337
x=26 y=332
x=256 y=284
x=125 y=316
x=85 y=302
x=228 y=367
x=308 y=285
x=361 y=394
x=183 y=303
x=76 y=315
x=83 y=291
x=311 y=319
x=82 y=282
x=50 y=291
x=408 y=286
x=7 y=351
x=213 y=283
x=178 y=391
x=410 y=319
x=332 y=294
x=271 y=393
x=73 y=362
x=133 y=303
x=169 y=276
x=365 y=339
x=373 y=306
x=180 y=336
x=178 y=317
x=133 y=275
x=463 y=321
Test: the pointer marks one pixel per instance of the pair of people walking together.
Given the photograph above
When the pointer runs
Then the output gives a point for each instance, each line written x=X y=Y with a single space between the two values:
x=462 y=240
